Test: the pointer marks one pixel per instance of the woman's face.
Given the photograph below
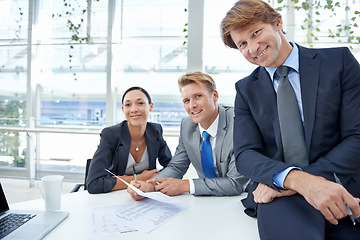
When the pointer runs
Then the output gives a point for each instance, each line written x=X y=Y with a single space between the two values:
x=136 y=108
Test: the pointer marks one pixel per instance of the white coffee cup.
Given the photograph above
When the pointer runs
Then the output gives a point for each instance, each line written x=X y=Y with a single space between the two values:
x=50 y=189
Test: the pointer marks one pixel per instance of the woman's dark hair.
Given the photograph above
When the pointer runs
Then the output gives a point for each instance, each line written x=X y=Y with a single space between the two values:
x=136 y=88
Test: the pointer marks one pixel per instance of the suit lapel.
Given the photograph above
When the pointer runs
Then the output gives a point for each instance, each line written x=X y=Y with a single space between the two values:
x=152 y=145
x=123 y=149
x=220 y=136
x=194 y=135
x=309 y=81
x=265 y=92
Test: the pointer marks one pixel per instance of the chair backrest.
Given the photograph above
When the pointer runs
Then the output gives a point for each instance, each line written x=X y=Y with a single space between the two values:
x=86 y=171
x=79 y=185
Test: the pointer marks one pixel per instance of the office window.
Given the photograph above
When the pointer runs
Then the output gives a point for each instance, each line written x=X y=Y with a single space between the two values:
x=151 y=54
x=13 y=77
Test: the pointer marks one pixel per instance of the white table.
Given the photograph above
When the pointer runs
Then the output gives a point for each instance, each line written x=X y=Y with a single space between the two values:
x=205 y=218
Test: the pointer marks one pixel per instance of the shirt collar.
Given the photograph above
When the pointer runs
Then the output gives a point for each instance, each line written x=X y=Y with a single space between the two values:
x=212 y=130
x=292 y=61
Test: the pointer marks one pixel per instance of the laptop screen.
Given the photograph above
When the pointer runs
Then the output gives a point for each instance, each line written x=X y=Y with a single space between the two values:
x=3 y=203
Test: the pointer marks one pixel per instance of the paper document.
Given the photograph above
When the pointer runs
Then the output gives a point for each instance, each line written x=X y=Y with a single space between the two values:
x=104 y=222
x=142 y=216
x=158 y=196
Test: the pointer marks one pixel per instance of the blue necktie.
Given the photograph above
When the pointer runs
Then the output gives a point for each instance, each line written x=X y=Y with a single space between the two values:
x=207 y=161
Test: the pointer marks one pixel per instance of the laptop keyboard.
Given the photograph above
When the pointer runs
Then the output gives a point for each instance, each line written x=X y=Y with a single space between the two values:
x=12 y=221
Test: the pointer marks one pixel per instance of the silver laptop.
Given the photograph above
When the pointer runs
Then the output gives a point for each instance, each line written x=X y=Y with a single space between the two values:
x=22 y=224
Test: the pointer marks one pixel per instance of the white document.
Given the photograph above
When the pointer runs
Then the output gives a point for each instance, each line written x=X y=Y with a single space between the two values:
x=143 y=216
x=148 y=214
x=104 y=222
x=158 y=196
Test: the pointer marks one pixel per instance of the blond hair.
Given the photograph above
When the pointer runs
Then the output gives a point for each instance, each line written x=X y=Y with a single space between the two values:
x=198 y=78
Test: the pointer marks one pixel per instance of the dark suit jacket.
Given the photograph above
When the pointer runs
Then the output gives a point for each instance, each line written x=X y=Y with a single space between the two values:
x=330 y=88
x=113 y=152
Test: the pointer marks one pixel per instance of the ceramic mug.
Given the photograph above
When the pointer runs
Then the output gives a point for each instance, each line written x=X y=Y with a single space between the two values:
x=50 y=189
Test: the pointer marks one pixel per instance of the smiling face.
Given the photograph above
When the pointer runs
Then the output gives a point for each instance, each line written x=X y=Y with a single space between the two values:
x=136 y=108
x=262 y=44
x=200 y=103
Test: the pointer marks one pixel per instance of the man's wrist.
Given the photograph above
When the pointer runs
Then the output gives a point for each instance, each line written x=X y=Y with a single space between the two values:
x=296 y=180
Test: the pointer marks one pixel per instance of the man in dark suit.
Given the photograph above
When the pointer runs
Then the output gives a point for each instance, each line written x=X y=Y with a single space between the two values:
x=293 y=202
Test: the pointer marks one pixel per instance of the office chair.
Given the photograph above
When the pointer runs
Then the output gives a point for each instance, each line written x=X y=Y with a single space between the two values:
x=79 y=185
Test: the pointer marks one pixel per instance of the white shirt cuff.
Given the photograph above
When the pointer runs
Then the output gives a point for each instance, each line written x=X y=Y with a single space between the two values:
x=192 y=186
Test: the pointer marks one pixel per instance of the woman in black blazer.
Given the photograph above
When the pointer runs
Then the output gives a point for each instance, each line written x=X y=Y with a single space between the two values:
x=133 y=142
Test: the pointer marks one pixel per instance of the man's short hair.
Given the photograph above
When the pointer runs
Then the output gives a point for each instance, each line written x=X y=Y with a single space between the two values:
x=245 y=13
x=198 y=78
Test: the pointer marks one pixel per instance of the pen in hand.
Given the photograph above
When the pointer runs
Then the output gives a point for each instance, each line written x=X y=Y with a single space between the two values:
x=347 y=206
x=134 y=174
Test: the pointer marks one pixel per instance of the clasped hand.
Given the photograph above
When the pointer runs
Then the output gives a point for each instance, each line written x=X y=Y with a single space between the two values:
x=265 y=194
x=326 y=196
x=168 y=186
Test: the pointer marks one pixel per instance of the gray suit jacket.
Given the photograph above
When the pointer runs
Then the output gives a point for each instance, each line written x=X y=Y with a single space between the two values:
x=230 y=182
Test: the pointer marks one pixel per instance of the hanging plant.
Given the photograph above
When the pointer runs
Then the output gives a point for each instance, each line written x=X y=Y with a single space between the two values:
x=74 y=25
x=185 y=30
x=311 y=23
x=18 y=20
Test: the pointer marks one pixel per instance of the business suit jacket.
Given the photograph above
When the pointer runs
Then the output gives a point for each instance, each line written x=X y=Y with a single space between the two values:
x=113 y=152
x=230 y=182
x=330 y=89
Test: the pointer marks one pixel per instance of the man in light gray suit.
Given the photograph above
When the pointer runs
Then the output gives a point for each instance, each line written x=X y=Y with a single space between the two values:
x=199 y=95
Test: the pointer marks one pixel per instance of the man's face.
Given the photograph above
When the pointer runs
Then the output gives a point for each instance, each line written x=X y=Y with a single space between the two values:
x=262 y=44
x=200 y=103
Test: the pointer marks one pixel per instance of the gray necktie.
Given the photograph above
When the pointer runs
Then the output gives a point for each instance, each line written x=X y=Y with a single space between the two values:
x=291 y=129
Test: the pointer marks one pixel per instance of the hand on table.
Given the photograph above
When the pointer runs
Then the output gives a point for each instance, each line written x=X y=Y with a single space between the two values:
x=265 y=194
x=143 y=186
x=326 y=196
x=170 y=186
